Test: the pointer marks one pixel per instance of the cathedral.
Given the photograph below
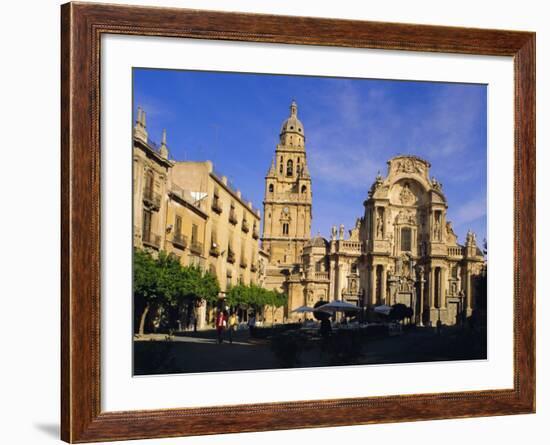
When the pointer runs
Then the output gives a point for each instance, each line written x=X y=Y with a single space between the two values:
x=402 y=248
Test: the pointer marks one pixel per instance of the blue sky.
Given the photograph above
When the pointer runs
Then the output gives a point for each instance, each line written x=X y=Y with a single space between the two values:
x=352 y=127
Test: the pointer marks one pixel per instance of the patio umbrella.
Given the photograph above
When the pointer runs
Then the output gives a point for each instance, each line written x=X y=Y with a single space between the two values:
x=303 y=309
x=338 y=306
x=383 y=309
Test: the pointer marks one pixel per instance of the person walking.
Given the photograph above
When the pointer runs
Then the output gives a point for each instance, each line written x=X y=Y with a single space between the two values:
x=233 y=322
x=251 y=324
x=221 y=322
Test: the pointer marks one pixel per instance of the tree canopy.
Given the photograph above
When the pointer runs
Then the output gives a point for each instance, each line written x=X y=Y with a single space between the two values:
x=254 y=296
x=164 y=278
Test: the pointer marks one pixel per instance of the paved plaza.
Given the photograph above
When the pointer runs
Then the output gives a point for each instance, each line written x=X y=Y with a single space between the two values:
x=200 y=352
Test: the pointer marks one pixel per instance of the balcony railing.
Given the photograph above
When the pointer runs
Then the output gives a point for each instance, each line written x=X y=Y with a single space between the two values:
x=255 y=232
x=245 y=226
x=350 y=246
x=230 y=256
x=151 y=198
x=321 y=275
x=243 y=263
x=216 y=206
x=151 y=239
x=454 y=251
x=196 y=247
x=214 y=250
x=179 y=240
x=233 y=217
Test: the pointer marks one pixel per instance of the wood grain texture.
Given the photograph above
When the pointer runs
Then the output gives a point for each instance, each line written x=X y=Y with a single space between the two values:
x=81 y=28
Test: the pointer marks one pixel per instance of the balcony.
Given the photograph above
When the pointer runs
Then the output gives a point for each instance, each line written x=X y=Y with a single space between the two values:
x=179 y=240
x=214 y=250
x=230 y=256
x=151 y=239
x=151 y=199
x=350 y=246
x=196 y=248
x=244 y=226
x=255 y=232
x=321 y=276
x=216 y=206
x=233 y=217
x=243 y=263
x=454 y=251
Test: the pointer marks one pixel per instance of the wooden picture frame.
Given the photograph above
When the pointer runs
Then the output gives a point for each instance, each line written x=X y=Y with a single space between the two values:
x=82 y=26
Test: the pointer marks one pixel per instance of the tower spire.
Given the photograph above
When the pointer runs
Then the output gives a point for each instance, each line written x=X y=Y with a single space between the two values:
x=163 y=151
x=140 y=131
x=293 y=108
x=272 y=171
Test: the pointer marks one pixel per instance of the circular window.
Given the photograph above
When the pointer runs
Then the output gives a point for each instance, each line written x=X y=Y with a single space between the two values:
x=291 y=127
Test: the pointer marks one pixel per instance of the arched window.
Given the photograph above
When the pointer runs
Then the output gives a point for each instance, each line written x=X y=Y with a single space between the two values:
x=304 y=189
x=289 y=168
x=406 y=239
x=270 y=188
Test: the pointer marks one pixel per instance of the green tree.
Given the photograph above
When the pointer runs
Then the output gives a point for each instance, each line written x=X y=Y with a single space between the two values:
x=275 y=299
x=196 y=284
x=164 y=281
x=145 y=283
x=238 y=295
x=256 y=297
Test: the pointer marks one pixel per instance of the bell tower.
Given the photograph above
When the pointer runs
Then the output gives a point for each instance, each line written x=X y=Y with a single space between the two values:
x=287 y=198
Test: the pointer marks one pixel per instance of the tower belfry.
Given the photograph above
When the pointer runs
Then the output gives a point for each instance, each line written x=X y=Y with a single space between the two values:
x=287 y=199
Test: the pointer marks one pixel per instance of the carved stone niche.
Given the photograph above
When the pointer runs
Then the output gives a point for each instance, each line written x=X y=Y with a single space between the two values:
x=407 y=193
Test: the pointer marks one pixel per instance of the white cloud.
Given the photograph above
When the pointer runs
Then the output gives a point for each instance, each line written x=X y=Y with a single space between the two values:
x=343 y=166
x=470 y=211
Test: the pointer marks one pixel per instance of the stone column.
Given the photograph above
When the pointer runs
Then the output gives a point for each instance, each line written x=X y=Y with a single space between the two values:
x=397 y=240
x=469 y=295
x=421 y=306
x=340 y=285
x=372 y=285
x=332 y=283
x=443 y=286
x=432 y=287
x=201 y=315
x=383 y=286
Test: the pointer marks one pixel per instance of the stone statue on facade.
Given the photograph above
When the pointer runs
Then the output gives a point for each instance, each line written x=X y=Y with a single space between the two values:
x=421 y=273
x=470 y=238
x=399 y=266
x=333 y=233
x=412 y=269
x=379 y=226
x=436 y=185
x=437 y=229
x=342 y=228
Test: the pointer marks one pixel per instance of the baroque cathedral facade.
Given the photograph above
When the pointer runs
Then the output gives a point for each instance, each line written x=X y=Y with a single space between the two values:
x=402 y=248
